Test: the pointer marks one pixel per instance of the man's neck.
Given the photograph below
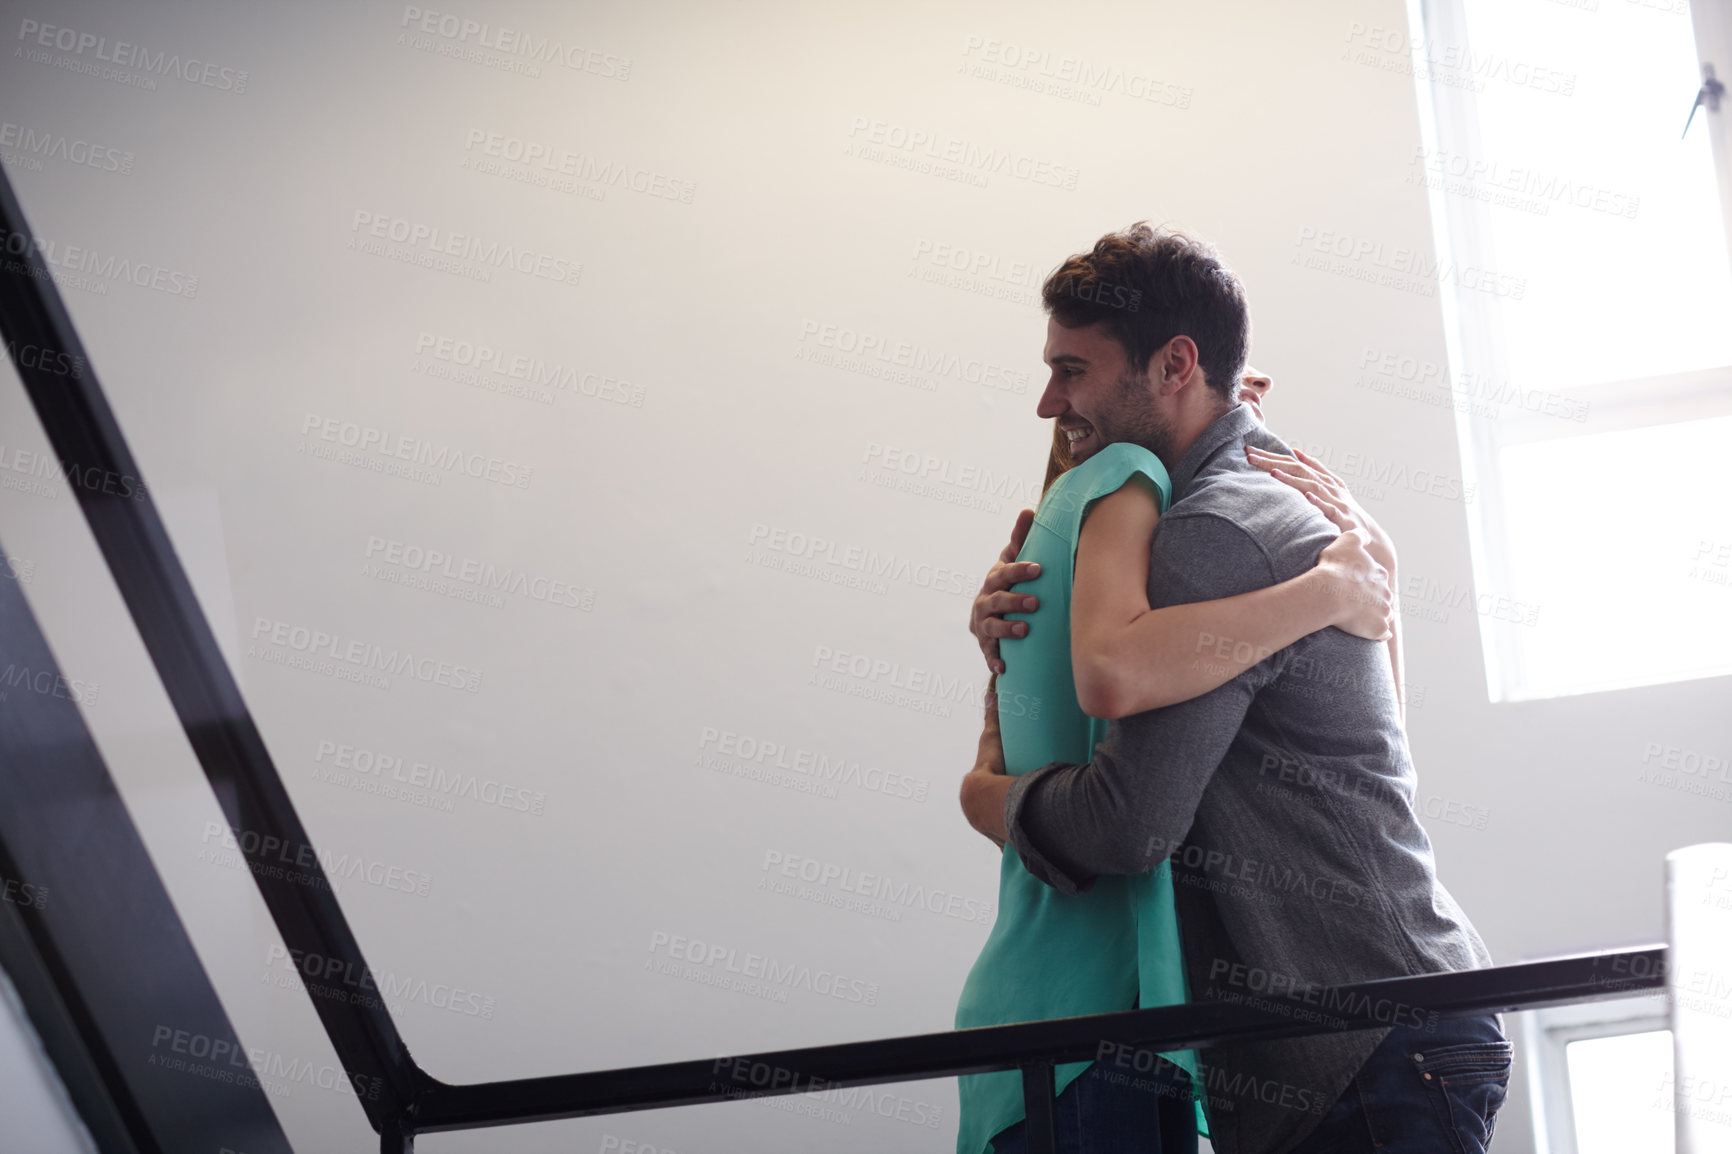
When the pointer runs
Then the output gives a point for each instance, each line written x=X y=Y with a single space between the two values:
x=1236 y=420
x=1190 y=427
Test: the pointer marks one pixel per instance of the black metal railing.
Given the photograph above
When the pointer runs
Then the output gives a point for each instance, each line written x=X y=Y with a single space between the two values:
x=93 y=455
x=1035 y=1047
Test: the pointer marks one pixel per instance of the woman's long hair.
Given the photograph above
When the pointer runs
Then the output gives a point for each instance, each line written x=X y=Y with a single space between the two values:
x=1059 y=460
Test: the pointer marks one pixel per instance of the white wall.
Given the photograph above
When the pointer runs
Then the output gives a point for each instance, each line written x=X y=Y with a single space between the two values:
x=655 y=514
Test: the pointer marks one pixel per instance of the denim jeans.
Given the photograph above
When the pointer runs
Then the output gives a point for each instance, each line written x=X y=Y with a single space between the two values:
x=1421 y=1092
x=1115 y=1111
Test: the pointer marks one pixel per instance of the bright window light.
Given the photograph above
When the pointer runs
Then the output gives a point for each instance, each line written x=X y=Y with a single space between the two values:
x=1612 y=220
x=1621 y=1093
x=1603 y=538
x=1621 y=544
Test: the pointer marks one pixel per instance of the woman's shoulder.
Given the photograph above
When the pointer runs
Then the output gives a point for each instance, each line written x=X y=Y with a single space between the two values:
x=1114 y=464
x=1124 y=456
x=1077 y=488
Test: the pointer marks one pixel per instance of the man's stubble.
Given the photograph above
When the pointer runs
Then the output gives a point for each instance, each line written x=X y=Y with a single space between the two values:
x=1135 y=419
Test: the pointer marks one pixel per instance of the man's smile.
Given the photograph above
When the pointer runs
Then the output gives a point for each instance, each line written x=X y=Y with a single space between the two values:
x=1077 y=434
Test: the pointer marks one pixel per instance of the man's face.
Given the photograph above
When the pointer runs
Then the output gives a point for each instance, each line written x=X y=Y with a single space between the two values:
x=1095 y=396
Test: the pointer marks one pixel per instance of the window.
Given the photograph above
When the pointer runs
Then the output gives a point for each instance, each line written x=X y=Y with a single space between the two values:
x=1602 y=1073
x=1587 y=288
x=1609 y=1118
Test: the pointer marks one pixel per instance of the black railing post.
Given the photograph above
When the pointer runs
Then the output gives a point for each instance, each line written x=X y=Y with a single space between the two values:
x=1038 y=1092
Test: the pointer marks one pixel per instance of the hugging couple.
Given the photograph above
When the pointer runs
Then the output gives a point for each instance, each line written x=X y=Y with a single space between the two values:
x=1193 y=762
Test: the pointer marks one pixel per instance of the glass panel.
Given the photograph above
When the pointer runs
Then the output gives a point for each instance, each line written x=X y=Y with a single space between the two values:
x=1607 y=227
x=39 y=1113
x=1621 y=1093
x=1620 y=553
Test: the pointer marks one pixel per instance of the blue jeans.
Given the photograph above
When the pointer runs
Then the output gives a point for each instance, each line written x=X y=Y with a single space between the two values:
x=1114 y=1111
x=1421 y=1092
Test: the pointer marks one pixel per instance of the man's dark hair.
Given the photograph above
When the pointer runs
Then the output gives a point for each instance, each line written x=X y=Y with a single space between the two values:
x=1149 y=285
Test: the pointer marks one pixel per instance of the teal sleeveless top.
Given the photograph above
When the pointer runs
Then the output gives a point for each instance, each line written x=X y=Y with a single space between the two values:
x=1053 y=955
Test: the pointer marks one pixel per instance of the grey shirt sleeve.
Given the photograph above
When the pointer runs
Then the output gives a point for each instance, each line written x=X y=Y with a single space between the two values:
x=1125 y=811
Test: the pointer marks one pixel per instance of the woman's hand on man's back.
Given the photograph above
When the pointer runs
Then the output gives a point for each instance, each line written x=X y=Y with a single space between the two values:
x=1361 y=560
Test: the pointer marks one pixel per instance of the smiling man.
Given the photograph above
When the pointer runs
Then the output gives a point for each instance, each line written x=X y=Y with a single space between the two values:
x=1282 y=799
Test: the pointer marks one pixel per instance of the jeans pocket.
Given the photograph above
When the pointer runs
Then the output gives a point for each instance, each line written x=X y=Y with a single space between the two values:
x=1466 y=1085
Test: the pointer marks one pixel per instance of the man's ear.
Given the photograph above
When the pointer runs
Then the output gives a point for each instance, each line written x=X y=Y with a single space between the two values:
x=1174 y=365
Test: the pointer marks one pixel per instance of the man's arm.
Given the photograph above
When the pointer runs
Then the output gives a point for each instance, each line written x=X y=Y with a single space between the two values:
x=1126 y=810
x=983 y=786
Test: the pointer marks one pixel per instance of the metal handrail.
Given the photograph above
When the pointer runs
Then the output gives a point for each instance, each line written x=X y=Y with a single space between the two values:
x=1031 y=1045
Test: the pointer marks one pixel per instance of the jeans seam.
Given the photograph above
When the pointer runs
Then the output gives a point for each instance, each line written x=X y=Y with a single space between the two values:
x=1449 y=1107
x=1367 y=1102
x=1438 y=1093
x=1476 y=1057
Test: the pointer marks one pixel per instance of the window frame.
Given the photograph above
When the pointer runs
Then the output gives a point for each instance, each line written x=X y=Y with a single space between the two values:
x=1474 y=337
x=1549 y=1032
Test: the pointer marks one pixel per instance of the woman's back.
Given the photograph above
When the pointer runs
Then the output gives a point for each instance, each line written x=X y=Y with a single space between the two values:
x=1053 y=955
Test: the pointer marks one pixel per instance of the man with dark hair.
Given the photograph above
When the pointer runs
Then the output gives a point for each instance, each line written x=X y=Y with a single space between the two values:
x=1283 y=798
x=1145 y=287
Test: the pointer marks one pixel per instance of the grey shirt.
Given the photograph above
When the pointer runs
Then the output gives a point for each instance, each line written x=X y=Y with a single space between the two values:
x=1284 y=799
